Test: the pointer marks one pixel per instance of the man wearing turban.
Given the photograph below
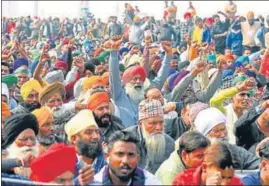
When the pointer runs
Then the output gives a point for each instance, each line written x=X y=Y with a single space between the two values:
x=155 y=145
x=99 y=104
x=23 y=76
x=11 y=80
x=134 y=79
x=84 y=134
x=46 y=135
x=30 y=93
x=19 y=137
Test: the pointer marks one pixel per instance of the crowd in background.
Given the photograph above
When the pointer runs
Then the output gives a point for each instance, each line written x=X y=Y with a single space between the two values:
x=138 y=102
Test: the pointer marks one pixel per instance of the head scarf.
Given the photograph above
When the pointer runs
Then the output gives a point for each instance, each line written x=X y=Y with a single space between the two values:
x=187 y=14
x=58 y=158
x=22 y=70
x=79 y=122
x=19 y=62
x=5 y=110
x=207 y=119
x=53 y=76
x=27 y=88
x=46 y=93
x=149 y=108
x=61 y=64
x=239 y=79
x=97 y=99
x=229 y=57
x=122 y=50
x=212 y=58
x=195 y=109
x=132 y=71
x=16 y=124
x=89 y=82
x=9 y=80
x=43 y=115
x=103 y=55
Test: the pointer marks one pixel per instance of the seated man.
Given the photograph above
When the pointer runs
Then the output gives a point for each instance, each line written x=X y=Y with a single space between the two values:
x=192 y=145
x=212 y=123
x=155 y=145
x=262 y=177
x=122 y=169
x=216 y=169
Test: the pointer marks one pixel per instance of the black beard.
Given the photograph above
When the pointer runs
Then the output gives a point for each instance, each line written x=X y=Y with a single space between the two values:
x=121 y=177
x=90 y=150
x=31 y=106
x=100 y=122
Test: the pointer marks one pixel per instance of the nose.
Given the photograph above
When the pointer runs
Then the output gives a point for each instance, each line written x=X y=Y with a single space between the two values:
x=30 y=142
x=159 y=127
x=95 y=136
x=125 y=160
x=52 y=128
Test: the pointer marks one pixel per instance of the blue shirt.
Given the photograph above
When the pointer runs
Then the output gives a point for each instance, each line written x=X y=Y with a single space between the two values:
x=252 y=179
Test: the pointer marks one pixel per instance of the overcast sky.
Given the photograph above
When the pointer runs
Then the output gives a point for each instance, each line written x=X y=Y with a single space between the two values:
x=103 y=9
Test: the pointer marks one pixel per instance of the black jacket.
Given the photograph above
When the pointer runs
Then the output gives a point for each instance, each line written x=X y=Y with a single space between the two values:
x=175 y=127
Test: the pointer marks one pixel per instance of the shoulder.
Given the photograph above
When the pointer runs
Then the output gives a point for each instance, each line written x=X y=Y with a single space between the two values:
x=117 y=121
x=132 y=129
x=252 y=179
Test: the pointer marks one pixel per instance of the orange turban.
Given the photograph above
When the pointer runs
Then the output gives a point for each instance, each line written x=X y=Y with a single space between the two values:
x=105 y=77
x=5 y=110
x=97 y=99
x=221 y=57
x=43 y=115
x=89 y=82
x=229 y=58
x=250 y=14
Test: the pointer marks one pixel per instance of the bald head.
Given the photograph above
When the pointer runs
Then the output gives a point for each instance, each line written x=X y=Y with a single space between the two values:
x=154 y=93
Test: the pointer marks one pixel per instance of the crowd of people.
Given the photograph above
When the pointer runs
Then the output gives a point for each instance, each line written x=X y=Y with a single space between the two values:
x=142 y=102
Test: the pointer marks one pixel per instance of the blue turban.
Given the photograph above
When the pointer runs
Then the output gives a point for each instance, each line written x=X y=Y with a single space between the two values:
x=122 y=50
x=19 y=62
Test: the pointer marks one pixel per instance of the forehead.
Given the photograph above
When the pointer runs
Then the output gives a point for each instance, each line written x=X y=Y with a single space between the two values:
x=103 y=105
x=154 y=91
x=55 y=96
x=25 y=133
x=219 y=126
x=155 y=118
x=89 y=128
x=22 y=75
x=34 y=92
x=198 y=151
x=122 y=146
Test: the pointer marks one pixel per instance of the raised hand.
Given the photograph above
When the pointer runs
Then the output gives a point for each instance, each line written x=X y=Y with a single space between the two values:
x=167 y=46
x=247 y=85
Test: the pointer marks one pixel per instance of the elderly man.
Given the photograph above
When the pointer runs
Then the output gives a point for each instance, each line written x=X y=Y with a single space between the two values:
x=216 y=169
x=83 y=133
x=134 y=78
x=99 y=104
x=155 y=145
x=253 y=126
x=262 y=177
x=123 y=156
x=212 y=123
x=189 y=155
x=23 y=76
x=46 y=135
x=19 y=137
x=240 y=95
x=52 y=167
x=30 y=94
x=52 y=97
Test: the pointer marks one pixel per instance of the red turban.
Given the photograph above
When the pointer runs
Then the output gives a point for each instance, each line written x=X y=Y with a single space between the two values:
x=97 y=99
x=187 y=14
x=209 y=20
x=61 y=64
x=229 y=58
x=130 y=72
x=58 y=159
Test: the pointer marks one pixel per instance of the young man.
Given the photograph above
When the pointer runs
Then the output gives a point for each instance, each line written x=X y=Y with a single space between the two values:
x=216 y=169
x=123 y=158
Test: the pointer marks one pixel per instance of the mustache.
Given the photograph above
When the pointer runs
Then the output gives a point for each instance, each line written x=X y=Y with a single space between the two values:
x=125 y=167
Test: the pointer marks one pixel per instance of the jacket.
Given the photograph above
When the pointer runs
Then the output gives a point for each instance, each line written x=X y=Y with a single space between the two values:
x=234 y=42
x=206 y=36
x=260 y=36
x=115 y=29
x=193 y=177
x=128 y=109
x=170 y=168
x=246 y=130
x=144 y=162
x=220 y=28
x=167 y=32
x=252 y=179
x=175 y=127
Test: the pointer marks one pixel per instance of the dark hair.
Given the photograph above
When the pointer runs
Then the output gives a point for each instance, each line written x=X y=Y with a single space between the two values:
x=215 y=16
x=247 y=48
x=220 y=155
x=5 y=64
x=191 y=141
x=264 y=151
x=95 y=61
x=148 y=89
x=189 y=100
x=89 y=66
x=124 y=136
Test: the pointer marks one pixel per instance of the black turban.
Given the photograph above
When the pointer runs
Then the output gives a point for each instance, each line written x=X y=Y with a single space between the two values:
x=17 y=123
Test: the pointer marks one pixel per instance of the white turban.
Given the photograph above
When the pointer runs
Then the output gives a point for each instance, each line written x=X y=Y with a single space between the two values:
x=5 y=91
x=207 y=119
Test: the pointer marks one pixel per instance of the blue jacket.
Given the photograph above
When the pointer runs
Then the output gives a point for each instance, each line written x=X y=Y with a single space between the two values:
x=207 y=36
x=252 y=179
x=234 y=42
x=128 y=109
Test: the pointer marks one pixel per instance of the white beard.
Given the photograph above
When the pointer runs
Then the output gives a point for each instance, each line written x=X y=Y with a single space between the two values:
x=136 y=95
x=57 y=111
x=17 y=152
x=216 y=140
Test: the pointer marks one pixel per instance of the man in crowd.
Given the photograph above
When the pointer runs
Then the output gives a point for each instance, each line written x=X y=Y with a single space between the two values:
x=155 y=145
x=99 y=104
x=83 y=133
x=123 y=158
x=190 y=154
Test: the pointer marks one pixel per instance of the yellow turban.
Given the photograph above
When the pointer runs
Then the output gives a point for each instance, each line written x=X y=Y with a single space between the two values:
x=105 y=78
x=27 y=88
x=89 y=82
x=250 y=14
x=79 y=122
x=43 y=115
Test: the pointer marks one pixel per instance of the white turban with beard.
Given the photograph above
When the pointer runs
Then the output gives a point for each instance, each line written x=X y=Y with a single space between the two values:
x=136 y=93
